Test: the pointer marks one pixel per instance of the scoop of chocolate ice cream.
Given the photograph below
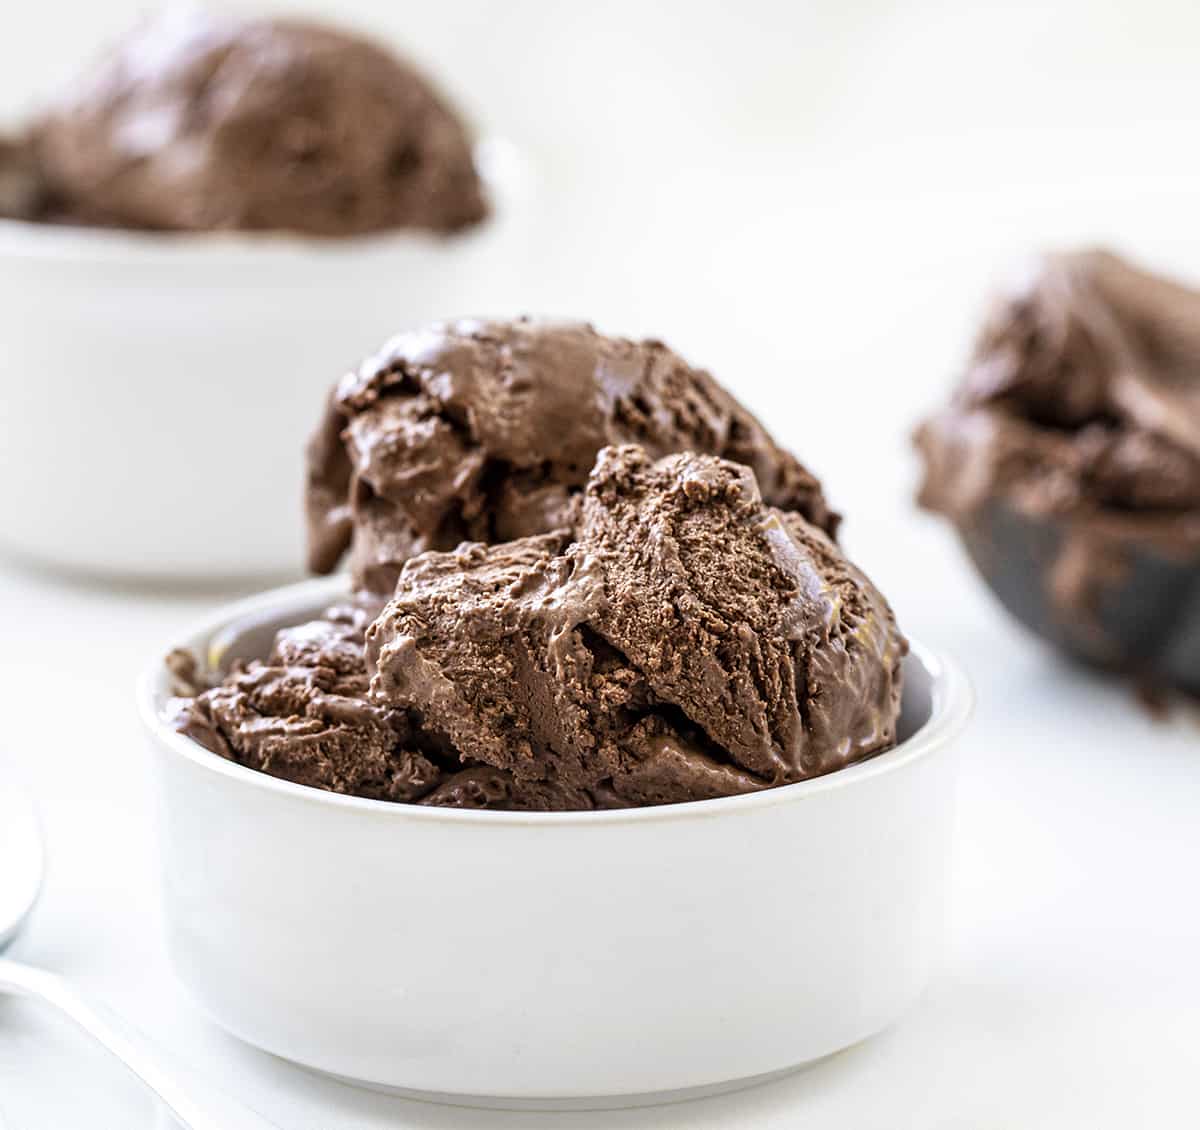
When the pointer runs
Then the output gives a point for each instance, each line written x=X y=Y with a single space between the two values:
x=203 y=122
x=302 y=714
x=687 y=641
x=1084 y=390
x=1069 y=459
x=486 y=431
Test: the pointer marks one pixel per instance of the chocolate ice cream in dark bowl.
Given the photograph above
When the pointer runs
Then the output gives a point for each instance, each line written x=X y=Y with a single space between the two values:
x=196 y=234
x=1069 y=462
x=603 y=776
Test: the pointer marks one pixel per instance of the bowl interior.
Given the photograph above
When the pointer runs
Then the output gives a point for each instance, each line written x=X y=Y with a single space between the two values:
x=916 y=705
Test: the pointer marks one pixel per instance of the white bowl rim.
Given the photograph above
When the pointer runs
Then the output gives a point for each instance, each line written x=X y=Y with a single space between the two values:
x=951 y=708
x=501 y=167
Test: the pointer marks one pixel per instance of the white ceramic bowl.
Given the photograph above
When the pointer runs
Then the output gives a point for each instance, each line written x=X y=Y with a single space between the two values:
x=563 y=959
x=156 y=391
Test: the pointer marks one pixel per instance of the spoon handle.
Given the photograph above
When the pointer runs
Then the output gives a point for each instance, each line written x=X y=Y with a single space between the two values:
x=25 y=980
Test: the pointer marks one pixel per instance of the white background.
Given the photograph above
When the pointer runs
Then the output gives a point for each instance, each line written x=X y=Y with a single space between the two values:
x=809 y=199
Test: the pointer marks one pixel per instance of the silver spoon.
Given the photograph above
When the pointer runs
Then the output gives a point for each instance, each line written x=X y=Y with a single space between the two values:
x=22 y=862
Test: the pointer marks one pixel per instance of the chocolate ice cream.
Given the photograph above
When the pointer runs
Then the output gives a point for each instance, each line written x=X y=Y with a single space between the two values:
x=203 y=122
x=486 y=431
x=678 y=640
x=303 y=714
x=1069 y=460
x=687 y=641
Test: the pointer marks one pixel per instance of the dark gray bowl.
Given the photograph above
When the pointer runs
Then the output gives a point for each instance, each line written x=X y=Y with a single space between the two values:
x=1145 y=621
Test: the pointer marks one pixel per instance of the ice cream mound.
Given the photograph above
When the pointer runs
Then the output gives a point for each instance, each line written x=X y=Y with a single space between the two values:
x=677 y=638
x=1069 y=461
x=487 y=431
x=200 y=122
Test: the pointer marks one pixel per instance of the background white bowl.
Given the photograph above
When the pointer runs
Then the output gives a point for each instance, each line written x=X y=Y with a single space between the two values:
x=564 y=958
x=156 y=390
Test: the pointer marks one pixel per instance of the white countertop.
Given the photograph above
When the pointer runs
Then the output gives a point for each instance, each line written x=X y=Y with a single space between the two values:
x=830 y=282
